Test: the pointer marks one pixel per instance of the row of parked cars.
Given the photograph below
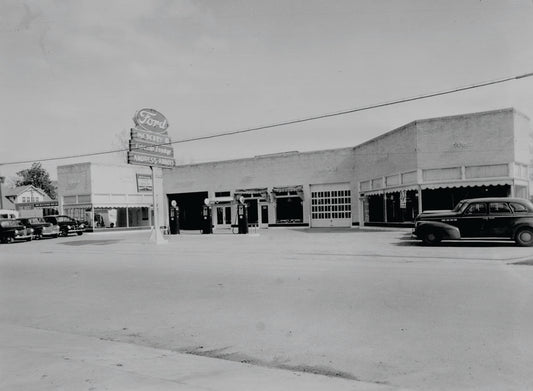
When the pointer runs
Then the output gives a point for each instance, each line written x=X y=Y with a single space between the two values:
x=30 y=228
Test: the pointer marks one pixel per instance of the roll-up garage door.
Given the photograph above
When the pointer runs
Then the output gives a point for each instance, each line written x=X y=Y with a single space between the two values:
x=331 y=205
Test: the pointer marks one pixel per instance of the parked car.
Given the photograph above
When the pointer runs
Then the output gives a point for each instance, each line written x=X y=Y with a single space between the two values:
x=11 y=230
x=41 y=228
x=67 y=225
x=501 y=218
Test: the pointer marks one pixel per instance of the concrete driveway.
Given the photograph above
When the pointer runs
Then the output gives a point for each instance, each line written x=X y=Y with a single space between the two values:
x=361 y=306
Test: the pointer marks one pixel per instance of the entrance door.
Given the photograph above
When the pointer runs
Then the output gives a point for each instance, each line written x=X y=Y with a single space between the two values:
x=223 y=216
x=474 y=220
x=331 y=205
x=253 y=216
x=264 y=216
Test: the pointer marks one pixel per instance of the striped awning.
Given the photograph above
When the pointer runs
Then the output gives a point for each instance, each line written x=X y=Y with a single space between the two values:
x=372 y=193
x=402 y=188
x=283 y=189
x=445 y=185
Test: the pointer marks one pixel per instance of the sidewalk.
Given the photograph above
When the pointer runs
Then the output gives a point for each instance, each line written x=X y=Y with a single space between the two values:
x=36 y=359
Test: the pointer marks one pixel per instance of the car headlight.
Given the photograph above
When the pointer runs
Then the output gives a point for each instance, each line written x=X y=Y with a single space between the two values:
x=68 y=227
x=82 y=226
x=31 y=230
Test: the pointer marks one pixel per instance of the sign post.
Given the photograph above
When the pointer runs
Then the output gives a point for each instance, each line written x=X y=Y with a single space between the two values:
x=150 y=146
x=156 y=235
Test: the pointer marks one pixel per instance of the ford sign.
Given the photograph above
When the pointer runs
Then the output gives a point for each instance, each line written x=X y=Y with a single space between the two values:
x=151 y=120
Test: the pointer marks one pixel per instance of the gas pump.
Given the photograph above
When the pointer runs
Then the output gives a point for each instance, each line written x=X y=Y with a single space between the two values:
x=174 y=223
x=207 y=223
x=242 y=216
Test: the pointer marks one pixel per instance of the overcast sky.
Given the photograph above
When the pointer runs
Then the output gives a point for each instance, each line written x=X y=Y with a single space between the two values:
x=73 y=73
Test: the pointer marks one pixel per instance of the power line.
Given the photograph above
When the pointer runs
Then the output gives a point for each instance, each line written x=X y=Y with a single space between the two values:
x=291 y=122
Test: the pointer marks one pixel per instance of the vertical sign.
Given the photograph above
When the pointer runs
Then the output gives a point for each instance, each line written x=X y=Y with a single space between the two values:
x=151 y=146
x=403 y=199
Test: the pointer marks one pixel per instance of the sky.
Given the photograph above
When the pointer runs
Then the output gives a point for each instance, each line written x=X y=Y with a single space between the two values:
x=73 y=73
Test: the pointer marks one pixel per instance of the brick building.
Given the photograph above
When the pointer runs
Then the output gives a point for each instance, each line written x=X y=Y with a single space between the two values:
x=426 y=164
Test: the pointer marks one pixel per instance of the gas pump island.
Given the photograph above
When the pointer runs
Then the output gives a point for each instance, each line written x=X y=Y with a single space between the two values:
x=150 y=146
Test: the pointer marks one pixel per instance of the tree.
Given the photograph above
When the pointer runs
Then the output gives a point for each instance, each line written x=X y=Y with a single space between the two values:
x=38 y=177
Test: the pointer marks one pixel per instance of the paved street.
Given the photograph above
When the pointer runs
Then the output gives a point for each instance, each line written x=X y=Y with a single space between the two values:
x=366 y=308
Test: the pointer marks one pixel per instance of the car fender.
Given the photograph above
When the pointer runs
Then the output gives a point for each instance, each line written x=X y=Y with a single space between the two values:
x=446 y=231
x=522 y=223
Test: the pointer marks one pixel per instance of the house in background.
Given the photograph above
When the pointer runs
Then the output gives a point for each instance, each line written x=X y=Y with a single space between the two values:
x=7 y=208
x=30 y=201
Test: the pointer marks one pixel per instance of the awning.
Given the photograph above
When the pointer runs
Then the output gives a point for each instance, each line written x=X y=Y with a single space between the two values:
x=446 y=185
x=221 y=200
x=262 y=192
x=371 y=193
x=283 y=189
x=251 y=191
x=298 y=189
x=119 y=206
x=400 y=189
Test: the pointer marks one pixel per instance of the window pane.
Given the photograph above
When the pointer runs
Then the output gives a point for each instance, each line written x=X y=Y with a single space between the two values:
x=477 y=209
x=499 y=208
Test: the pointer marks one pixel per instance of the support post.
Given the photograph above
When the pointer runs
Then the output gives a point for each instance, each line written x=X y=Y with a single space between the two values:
x=419 y=190
x=156 y=236
x=385 y=207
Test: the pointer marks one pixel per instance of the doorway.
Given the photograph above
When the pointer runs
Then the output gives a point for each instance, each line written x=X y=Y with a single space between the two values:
x=223 y=216
x=253 y=215
x=190 y=208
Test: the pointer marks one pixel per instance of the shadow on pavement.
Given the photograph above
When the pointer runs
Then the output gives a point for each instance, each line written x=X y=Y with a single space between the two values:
x=339 y=230
x=90 y=242
x=406 y=240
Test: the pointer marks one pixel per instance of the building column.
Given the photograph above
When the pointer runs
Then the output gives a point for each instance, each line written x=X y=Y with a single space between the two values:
x=385 y=207
x=419 y=191
x=361 y=211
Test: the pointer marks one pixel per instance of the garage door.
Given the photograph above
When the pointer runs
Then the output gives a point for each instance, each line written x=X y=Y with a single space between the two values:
x=331 y=205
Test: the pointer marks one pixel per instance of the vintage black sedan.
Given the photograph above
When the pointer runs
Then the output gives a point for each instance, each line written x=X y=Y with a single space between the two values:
x=41 y=228
x=11 y=230
x=67 y=225
x=498 y=218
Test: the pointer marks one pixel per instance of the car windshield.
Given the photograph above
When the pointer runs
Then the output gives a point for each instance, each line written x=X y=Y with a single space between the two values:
x=459 y=206
x=9 y=223
x=36 y=220
x=64 y=219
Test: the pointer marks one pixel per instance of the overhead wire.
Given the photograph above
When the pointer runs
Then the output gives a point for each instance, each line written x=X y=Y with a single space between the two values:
x=288 y=122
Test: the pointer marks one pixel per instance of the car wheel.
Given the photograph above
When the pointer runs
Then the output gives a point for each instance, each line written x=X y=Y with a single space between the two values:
x=29 y=239
x=10 y=239
x=524 y=237
x=80 y=233
x=430 y=238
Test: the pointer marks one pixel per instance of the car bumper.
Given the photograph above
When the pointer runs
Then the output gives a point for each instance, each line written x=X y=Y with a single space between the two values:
x=24 y=237
x=50 y=233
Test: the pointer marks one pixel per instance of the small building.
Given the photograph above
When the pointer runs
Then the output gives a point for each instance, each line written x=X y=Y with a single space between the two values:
x=7 y=208
x=31 y=201
x=423 y=165
x=107 y=196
